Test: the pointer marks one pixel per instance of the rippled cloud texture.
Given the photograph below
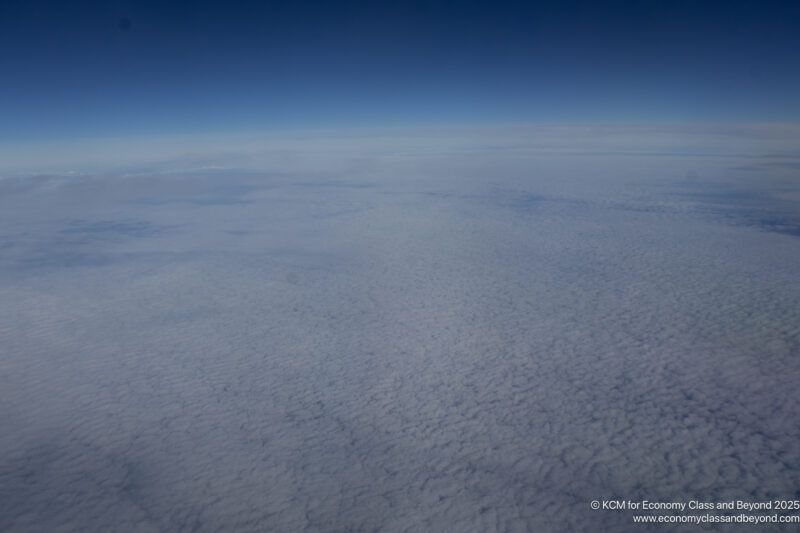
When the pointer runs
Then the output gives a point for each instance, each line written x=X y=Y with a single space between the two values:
x=441 y=334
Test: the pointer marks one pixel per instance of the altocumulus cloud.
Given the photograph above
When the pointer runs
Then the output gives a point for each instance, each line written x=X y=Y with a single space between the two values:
x=474 y=335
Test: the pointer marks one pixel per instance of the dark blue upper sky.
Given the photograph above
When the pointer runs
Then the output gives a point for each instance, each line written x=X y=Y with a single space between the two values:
x=114 y=68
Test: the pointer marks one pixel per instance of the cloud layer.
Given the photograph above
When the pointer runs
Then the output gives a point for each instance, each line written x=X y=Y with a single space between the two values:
x=470 y=340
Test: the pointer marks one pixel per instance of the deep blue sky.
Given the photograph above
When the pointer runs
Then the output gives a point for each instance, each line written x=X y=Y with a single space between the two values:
x=116 y=68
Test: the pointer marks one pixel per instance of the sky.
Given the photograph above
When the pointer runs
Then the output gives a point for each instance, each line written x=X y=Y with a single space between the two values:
x=123 y=68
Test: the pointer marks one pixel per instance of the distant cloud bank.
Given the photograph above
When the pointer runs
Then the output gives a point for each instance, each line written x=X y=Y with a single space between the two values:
x=321 y=148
